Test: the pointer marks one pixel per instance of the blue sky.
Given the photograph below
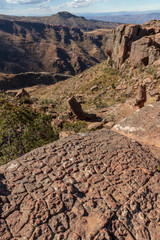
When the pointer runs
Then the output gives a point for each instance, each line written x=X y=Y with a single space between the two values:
x=49 y=7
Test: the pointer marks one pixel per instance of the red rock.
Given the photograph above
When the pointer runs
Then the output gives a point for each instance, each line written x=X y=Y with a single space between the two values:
x=57 y=123
x=141 y=96
x=27 y=204
x=103 y=234
x=4 y=233
x=22 y=93
x=88 y=227
x=16 y=221
x=139 y=51
x=74 y=236
x=97 y=185
x=40 y=214
x=76 y=108
x=26 y=231
x=55 y=204
x=42 y=232
x=95 y=125
x=109 y=125
x=65 y=134
x=59 y=223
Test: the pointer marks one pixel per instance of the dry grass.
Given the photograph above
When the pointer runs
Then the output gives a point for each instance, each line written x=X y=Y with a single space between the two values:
x=108 y=98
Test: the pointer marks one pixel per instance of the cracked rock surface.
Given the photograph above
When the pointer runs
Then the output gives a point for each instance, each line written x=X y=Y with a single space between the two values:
x=95 y=186
x=143 y=125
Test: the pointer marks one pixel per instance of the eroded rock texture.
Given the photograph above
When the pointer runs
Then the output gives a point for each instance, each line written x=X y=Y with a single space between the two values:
x=139 y=44
x=143 y=125
x=100 y=185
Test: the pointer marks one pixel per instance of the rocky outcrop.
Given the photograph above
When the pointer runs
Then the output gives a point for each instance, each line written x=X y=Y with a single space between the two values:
x=121 y=40
x=143 y=125
x=137 y=43
x=140 y=51
x=76 y=108
x=141 y=96
x=95 y=125
x=27 y=47
x=93 y=186
x=145 y=50
x=22 y=93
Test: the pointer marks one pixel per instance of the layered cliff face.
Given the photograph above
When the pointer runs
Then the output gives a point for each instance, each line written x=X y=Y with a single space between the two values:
x=37 y=47
x=139 y=44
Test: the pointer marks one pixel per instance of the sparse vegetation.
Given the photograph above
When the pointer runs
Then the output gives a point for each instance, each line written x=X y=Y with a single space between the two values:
x=152 y=70
x=22 y=129
x=77 y=126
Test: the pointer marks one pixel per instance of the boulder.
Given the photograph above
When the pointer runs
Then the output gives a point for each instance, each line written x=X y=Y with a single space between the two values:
x=141 y=96
x=76 y=108
x=147 y=80
x=65 y=134
x=95 y=87
x=109 y=125
x=154 y=92
x=95 y=125
x=156 y=63
x=157 y=98
x=57 y=123
x=22 y=93
x=139 y=51
x=142 y=126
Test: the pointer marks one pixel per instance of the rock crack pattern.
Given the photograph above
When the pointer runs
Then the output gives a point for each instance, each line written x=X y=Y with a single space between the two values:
x=95 y=186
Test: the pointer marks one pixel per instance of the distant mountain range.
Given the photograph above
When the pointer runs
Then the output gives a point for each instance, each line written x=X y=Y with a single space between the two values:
x=90 y=21
x=126 y=17
x=65 y=19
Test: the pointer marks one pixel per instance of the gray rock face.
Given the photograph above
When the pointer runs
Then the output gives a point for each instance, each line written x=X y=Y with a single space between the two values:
x=100 y=185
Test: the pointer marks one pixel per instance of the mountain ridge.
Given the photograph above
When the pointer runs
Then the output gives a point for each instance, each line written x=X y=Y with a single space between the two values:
x=65 y=19
x=135 y=18
x=32 y=46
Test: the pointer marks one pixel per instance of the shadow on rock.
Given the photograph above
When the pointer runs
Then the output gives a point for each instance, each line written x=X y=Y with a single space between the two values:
x=3 y=192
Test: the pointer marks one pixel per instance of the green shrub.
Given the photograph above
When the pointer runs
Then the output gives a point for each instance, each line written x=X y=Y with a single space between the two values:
x=21 y=130
x=113 y=85
x=78 y=126
x=152 y=70
x=25 y=100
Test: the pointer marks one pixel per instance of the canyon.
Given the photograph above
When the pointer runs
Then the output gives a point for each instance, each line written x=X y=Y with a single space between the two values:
x=90 y=184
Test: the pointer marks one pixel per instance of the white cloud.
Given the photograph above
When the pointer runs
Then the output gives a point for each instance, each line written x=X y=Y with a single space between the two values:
x=81 y=3
x=27 y=1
